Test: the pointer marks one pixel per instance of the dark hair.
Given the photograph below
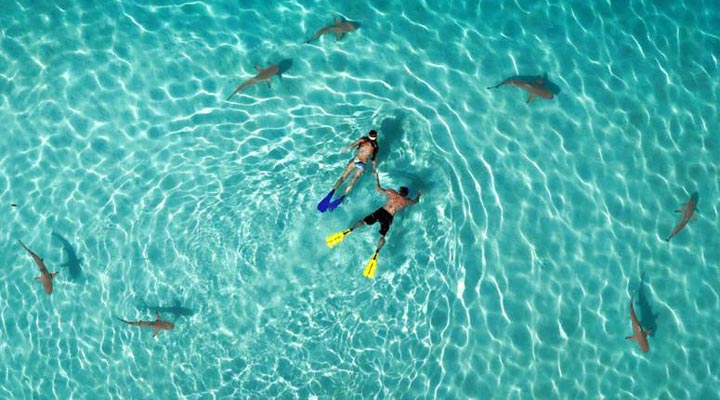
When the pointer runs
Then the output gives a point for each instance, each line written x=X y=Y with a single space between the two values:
x=404 y=191
x=372 y=132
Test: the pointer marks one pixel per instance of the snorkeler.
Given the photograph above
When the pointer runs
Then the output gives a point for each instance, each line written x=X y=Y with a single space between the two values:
x=396 y=201
x=367 y=149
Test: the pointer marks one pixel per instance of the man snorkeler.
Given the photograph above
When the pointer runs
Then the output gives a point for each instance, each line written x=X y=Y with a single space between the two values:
x=396 y=201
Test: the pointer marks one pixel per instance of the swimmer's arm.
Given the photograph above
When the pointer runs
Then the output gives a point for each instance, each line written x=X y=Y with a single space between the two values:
x=416 y=199
x=355 y=144
x=377 y=184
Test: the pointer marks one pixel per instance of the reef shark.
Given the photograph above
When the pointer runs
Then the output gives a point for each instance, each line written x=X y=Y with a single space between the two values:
x=339 y=27
x=639 y=335
x=536 y=87
x=157 y=325
x=688 y=212
x=45 y=276
x=263 y=75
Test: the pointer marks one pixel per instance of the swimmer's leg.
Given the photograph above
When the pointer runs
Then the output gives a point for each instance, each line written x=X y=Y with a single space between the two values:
x=345 y=174
x=354 y=179
x=358 y=224
x=381 y=243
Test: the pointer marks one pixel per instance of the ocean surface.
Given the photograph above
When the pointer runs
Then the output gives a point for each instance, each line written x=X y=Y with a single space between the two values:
x=134 y=178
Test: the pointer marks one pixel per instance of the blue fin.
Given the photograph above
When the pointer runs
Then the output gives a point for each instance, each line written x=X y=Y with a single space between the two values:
x=334 y=204
x=324 y=203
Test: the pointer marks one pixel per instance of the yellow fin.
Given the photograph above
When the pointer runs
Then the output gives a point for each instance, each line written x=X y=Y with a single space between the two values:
x=371 y=267
x=335 y=239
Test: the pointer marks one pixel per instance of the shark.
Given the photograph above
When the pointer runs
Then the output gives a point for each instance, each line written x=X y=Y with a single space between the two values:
x=688 y=212
x=45 y=277
x=639 y=334
x=536 y=86
x=339 y=27
x=262 y=75
x=73 y=263
x=157 y=325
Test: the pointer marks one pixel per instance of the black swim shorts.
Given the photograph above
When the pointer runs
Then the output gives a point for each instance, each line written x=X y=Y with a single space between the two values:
x=383 y=216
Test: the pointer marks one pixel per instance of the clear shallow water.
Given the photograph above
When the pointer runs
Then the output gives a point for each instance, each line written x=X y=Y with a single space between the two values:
x=511 y=279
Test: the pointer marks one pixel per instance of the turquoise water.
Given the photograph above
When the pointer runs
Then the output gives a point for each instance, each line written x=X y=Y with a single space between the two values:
x=510 y=279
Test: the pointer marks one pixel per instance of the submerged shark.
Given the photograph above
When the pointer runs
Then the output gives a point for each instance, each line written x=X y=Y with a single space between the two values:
x=688 y=212
x=536 y=87
x=157 y=325
x=45 y=276
x=339 y=27
x=263 y=75
x=639 y=335
x=73 y=263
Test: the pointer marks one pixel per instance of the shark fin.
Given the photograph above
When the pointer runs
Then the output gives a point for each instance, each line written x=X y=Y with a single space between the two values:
x=156 y=331
x=258 y=69
x=38 y=278
x=268 y=83
x=54 y=274
x=157 y=316
x=338 y=35
x=531 y=97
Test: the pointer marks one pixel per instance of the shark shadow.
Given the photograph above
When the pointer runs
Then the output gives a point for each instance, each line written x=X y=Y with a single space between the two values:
x=284 y=65
x=176 y=309
x=647 y=318
x=391 y=133
x=73 y=263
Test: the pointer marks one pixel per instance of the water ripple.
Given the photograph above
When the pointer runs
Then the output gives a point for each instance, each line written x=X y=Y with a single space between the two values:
x=511 y=277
